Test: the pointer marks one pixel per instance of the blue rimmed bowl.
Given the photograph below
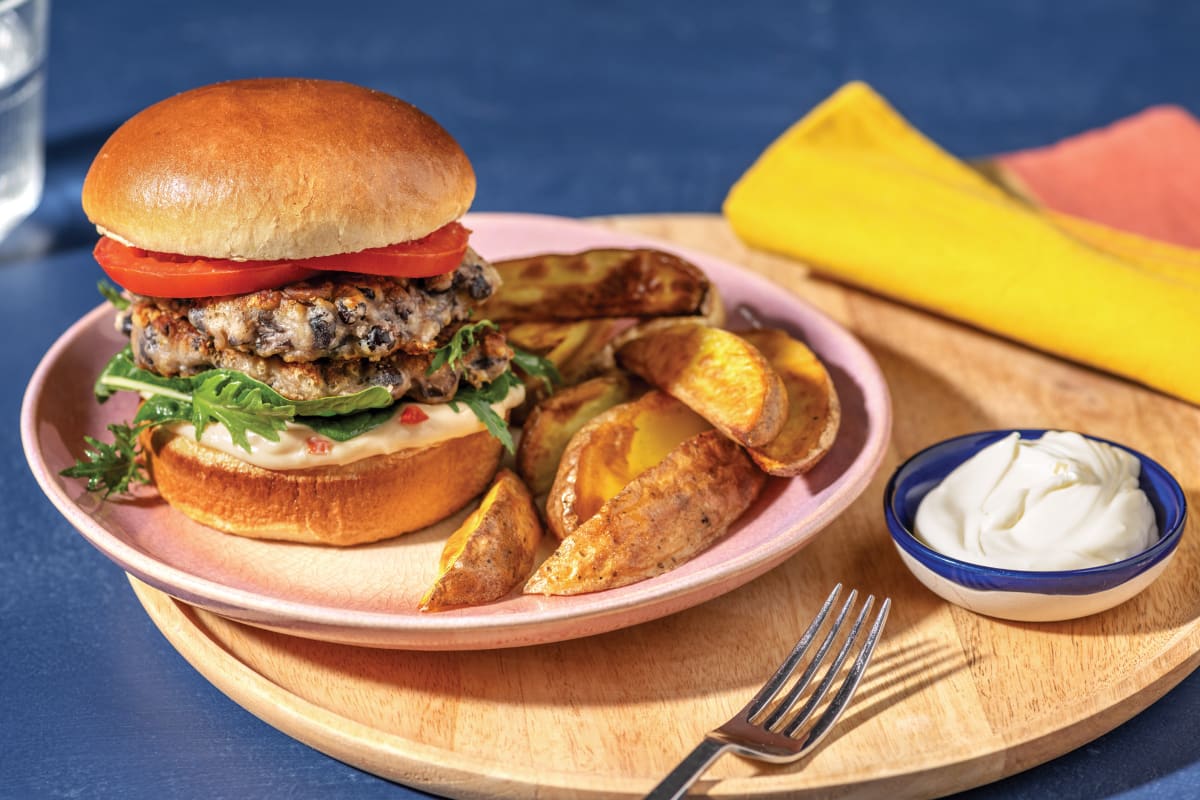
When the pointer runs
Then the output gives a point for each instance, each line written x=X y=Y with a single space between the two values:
x=1019 y=594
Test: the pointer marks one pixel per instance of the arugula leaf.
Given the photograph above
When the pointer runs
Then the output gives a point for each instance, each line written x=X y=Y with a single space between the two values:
x=480 y=402
x=537 y=366
x=374 y=397
x=121 y=374
x=234 y=401
x=113 y=295
x=346 y=427
x=111 y=468
x=462 y=340
x=242 y=405
x=159 y=410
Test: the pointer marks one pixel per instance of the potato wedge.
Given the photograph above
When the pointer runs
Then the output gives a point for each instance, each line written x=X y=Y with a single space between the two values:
x=648 y=327
x=712 y=314
x=814 y=413
x=492 y=552
x=613 y=449
x=718 y=374
x=662 y=518
x=555 y=420
x=578 y=349
x=538 y=336
x=593 y=352
x=598 y=283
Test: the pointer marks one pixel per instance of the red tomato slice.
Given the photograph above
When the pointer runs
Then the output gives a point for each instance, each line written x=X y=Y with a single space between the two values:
x=167 y=275
x=436 y=254
x=170 y=275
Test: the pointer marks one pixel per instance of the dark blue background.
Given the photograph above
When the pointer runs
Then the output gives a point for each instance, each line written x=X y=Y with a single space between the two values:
x=573 y=108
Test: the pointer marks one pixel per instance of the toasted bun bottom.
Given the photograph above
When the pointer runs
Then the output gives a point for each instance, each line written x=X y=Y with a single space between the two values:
x=364 y=501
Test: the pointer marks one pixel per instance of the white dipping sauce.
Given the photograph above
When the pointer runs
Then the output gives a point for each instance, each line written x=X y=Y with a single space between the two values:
x=1056 y=503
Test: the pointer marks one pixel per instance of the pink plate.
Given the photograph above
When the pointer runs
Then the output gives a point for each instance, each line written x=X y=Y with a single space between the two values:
x=368 y=595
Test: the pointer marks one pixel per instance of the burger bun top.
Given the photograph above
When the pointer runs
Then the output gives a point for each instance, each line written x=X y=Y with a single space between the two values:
x=277 y=168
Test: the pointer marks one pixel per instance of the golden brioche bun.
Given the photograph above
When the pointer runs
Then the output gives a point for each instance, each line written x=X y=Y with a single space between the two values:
x=364 y=501
x=277 y=168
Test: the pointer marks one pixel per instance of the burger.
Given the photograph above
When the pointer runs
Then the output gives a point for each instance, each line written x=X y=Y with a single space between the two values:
x=304 y=313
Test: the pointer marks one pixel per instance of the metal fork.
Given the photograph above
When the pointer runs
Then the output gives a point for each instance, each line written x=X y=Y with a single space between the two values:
x=774 y=734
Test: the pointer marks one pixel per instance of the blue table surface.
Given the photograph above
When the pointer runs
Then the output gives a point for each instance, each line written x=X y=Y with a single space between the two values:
x=575 y=108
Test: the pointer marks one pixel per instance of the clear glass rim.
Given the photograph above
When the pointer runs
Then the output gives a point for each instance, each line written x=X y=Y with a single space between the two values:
x=9 y=5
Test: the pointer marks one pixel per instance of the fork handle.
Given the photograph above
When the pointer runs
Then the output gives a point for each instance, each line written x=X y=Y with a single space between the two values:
x=676 y=784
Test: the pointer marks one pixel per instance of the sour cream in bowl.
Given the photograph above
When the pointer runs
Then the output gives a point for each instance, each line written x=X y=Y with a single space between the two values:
x=1034 y=525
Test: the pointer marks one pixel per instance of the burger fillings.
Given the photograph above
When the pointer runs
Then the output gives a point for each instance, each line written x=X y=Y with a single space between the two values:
x=260 y=329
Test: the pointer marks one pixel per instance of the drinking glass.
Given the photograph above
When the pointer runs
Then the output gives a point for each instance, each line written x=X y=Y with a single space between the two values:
x=23 y=25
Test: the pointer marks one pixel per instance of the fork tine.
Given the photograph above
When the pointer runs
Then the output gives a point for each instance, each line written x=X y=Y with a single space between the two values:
x=830 y=674
x=744 y=737
x=789 y=700
x=850 y=684
x=772 y=686
x=751 y=317
x=789 y=703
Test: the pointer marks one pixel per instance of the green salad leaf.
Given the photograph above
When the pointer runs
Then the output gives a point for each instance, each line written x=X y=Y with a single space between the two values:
x=111 y=468
x=480 y=400
x=375 y=397
x=237 y=402
x=536 y=366
x=243 y=405
x=347 y=426
x=113 y=295
x=462 y=341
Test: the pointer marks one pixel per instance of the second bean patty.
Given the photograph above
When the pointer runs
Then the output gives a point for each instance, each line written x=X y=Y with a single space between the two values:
x=170 y=345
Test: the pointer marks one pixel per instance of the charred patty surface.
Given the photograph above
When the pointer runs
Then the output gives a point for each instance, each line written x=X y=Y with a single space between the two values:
x=168 y=344
x=339 y=315
x=334 y=334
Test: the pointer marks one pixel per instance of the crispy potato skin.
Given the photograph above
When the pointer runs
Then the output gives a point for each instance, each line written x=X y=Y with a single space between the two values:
x=492 y=552
x=611 y=450
x=718 y=374
x=599 y=283
x=662 y=518
x=814 y=413
x=556 y=419
x=579 y=350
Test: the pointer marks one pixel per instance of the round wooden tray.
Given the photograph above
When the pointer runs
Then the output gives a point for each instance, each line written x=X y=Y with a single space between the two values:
x=953 y=700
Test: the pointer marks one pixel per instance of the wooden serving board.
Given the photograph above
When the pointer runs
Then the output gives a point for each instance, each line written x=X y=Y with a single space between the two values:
x=953 y=700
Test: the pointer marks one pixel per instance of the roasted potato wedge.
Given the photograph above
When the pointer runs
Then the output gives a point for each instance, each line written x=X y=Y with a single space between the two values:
x=579 y=349
x=540 y=336
x=598 y=283
x=814 y=413
x=492 y=552
x=648 y=327
x=613 y=449
x=663 y=517
x=555 y=420
x=592 y=353
x=718 y=374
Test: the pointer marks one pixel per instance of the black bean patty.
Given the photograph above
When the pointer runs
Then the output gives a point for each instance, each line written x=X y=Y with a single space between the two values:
x=340 y=315
x=168 y=344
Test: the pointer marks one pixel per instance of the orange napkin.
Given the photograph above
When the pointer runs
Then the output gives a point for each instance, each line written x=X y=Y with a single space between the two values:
x=1140 y=174
x=856 y=191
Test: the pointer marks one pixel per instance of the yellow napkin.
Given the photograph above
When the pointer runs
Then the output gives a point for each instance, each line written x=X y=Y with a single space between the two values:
x=858 y=193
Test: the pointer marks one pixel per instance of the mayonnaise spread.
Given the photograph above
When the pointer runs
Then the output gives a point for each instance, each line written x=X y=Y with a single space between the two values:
x=1055 y=503
x=300 y=447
